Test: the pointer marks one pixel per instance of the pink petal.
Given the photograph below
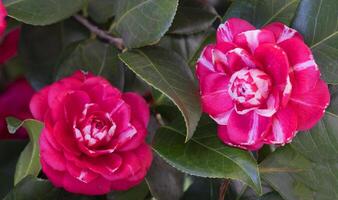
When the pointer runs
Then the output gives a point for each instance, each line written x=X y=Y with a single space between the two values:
x=250 y=40
x=274 y=62
x=244 y=130
x=3 y=14
x=282 y=32
x=305 y=69
x=272 y=104
x=80 y=173
x=136 y=140
x=9 y=45
x=74 y=105
x=227 y=31
x=39 y=104
x=54 y=176
x=99 y=89
x=122 y=117
x=310 y=106
x=64 y=136
x=145 y=155
x=204 y=64
x=215 y=97
x=51 y=156
x=284 y=127
x=139 y=107
x=98 y=186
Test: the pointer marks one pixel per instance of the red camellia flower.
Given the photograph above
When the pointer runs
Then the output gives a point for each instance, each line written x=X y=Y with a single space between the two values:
x=260 y=85
x=94 y=136
x=14 y=101
x=3 y=14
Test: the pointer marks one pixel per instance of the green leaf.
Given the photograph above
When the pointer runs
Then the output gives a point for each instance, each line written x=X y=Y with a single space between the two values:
x=143 y=22
x=164 y=181
x=167 y=72
x=41 y=47
x=202 y=189
x=184 y=45
x=205 y=155
x=35 y=188
x=138 y=192
x=308 y=167
x=333 y=107
x=9 y=153
x=101 y=10
x=13 y=124
x=190 y=20
x=29 y=160
x=263 y=12
x=317 y=22
x=93 y=56
x=42 y=12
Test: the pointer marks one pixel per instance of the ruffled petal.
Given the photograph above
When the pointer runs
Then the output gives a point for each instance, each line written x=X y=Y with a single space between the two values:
x=303 y=65
x=237 y=59
x=139 y=107
x=282 y=32
x=250 y=40
x=245 y=130
x=284 y=127
x=215 y=96
x=274 y=62
x=39 y=104
x=310 y=106
x=227 y=31
x=204 y=64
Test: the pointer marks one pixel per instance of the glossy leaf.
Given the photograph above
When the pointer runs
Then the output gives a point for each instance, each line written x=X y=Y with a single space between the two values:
x=93 y=56
x=29 y=160
x=317 y=22
x=262 y=12
x=333 y=107
x=308 y=167
x=41 y=48
x=143 y=22
x=205 y=155
x=164 y=181
x=138 y=192
x=184 y=45
x=167 y=72
x=42 y=12
x=9 y=153
x=101 y=10
x=190 y=20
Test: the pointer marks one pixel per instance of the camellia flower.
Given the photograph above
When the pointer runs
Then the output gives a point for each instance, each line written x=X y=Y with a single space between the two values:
x=260 y=85
x=93 y=140
x=14 y=101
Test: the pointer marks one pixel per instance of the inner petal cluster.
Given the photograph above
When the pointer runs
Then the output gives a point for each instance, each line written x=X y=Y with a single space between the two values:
x=249 y=87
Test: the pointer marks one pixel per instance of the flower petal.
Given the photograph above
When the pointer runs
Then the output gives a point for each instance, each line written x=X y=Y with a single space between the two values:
x=305 y=69
x=282 y=32
x=39 y=104
x=310 y=106
x=215 y=96
x=204 y=64
x=227 y=31
x=9 y=46
x=139 y=107
x=245 y=130
x=284 y=127
x=250 y=40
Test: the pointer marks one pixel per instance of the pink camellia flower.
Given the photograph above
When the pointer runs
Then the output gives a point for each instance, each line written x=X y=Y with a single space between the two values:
x=9 y=45
x=14 y=101
x=3 y=15
x=94 y=136
x=260 y=85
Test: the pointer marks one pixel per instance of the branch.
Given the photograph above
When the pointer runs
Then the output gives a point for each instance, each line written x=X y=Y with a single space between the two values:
x=118 y=42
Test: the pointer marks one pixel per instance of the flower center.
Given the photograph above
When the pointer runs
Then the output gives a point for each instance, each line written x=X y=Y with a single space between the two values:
x=95 y=129
x=249 y=87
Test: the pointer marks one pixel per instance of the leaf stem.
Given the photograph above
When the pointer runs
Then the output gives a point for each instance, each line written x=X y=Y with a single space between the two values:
x=223 y=189
x=118 y=42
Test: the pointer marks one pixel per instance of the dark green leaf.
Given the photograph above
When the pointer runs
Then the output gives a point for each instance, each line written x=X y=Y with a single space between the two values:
x=29 y=160
x=205 y=155
x=41 y=48
x=202 y=189
x=167 y=72
x=190 y=20
x=262 y=12
x=42 y=12
x=184 y=45
x=208 y=39
x=333 y=108
x=13 y=124
x=143 y=22
x=164 y=181
x=93 y=56
x=9 y=154
x=308 y=167
x=271 y=196
x=318 y=22
x=101 y=10
x=31 y=188
x=138 y=192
